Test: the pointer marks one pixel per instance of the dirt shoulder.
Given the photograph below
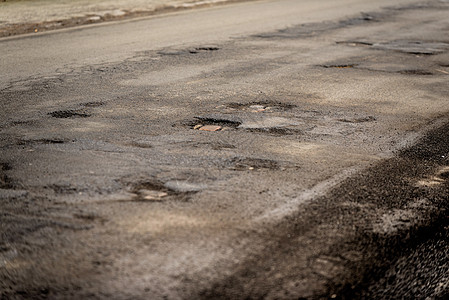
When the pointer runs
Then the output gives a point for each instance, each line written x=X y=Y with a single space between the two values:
x=27 y=16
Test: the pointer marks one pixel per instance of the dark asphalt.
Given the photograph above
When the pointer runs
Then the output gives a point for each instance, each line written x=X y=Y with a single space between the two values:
x=406 y=256
x=327 y=176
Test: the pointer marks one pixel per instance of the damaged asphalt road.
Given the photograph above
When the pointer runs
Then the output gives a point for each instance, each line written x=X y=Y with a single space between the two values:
x=304 y=161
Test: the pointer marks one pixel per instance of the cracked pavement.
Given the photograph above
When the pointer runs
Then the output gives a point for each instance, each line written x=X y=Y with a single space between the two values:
x=303 y=159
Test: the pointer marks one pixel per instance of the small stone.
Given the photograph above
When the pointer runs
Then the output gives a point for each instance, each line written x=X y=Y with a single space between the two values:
x=152 y=195
x=444 y=72
x=257 y=107
x=95 y=18
x=117 y=13
x=210 y=128
x=119 y=196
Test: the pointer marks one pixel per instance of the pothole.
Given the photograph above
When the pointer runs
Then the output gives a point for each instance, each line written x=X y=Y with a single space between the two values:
x=414 y=47
x=230 y=121
x=138 y=144
x=276 y=131
x=355 y=43
x=23 y=123
x=40 y=141
x=157 y=191
x=339 y=66
x=256 y=164
x=208 y=48
x=415 y=72
x=151 y=190
x=214 y=122
x=196 y=50
x=358 y=120
x=51 y=141
x=263 y=124
x=258 y=106
x=171 y=52
x=93 y=104
x=315 y=29
x=203 y=49
x=444 y=175
x=65 y=114
x=256 y=123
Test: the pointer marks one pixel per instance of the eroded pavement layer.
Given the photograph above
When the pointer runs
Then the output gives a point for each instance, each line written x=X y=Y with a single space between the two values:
x=306 y=162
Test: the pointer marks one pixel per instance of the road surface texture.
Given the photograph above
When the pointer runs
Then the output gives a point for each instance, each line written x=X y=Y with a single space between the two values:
x=275 y=149
x=25 y=16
